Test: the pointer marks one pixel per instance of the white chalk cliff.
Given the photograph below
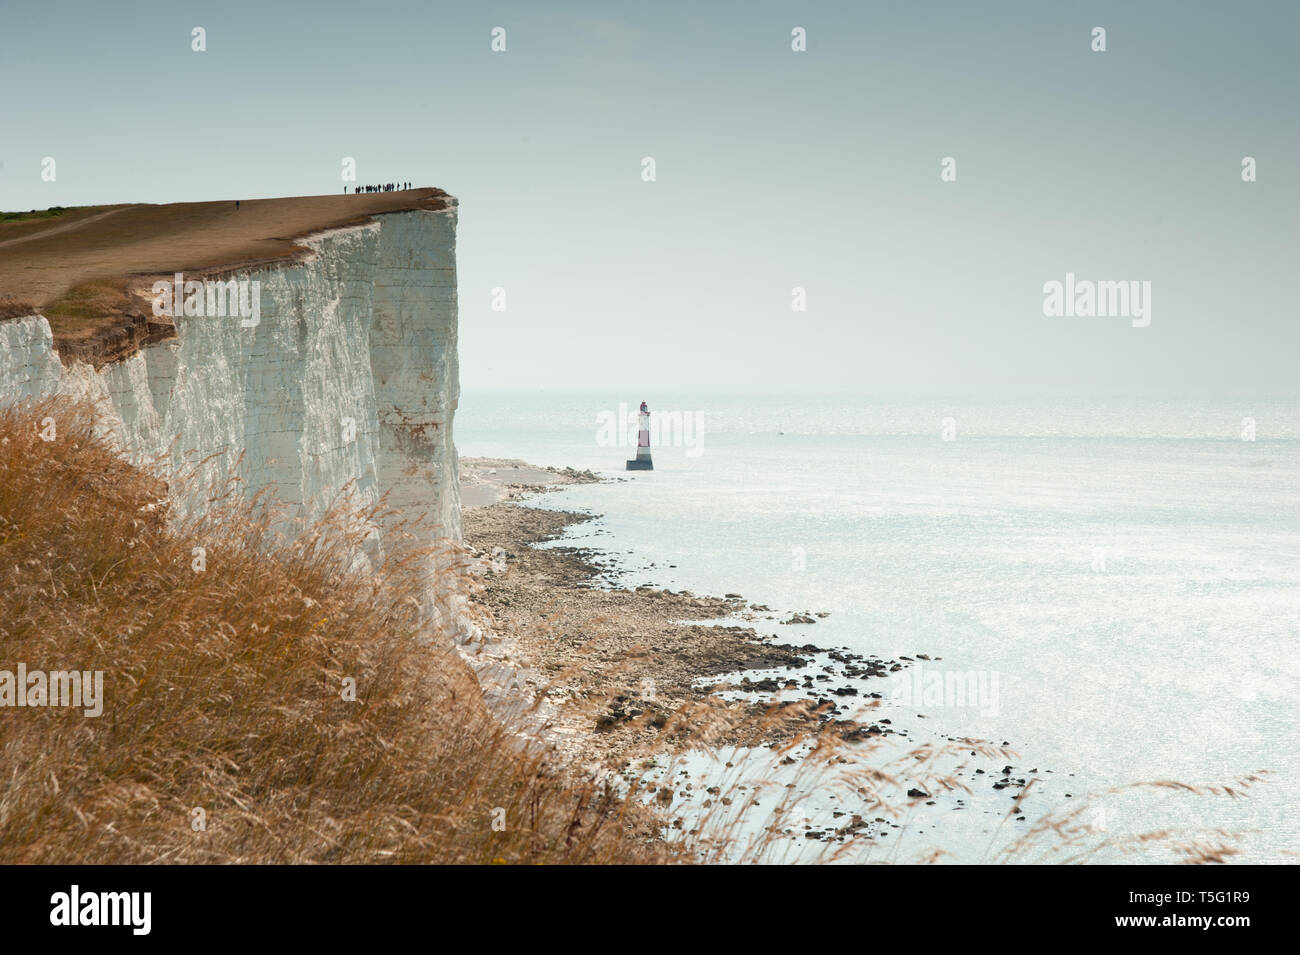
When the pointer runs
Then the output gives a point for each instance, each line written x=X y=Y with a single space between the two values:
x=361 y=330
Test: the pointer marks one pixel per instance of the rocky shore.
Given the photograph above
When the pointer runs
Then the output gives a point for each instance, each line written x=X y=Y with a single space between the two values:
x=637 y=684
x=615 y=674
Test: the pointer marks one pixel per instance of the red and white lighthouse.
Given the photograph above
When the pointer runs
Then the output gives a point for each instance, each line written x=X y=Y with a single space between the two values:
x=642 y=460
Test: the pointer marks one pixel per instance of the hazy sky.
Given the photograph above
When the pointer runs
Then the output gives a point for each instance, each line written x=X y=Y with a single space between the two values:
x=775 y=169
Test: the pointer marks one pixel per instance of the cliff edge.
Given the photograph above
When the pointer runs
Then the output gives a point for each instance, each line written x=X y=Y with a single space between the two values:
x=344 y=389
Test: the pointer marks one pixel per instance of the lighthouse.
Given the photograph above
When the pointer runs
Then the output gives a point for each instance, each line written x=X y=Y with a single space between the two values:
x=642 y=460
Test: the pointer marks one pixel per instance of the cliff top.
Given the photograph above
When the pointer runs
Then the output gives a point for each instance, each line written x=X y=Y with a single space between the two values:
x=82 y=268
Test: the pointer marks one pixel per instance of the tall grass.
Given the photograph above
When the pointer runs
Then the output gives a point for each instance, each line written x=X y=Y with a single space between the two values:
x=227 y=735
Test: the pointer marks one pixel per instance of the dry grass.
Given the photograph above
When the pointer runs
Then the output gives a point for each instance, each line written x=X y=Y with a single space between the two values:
x=1074 y=835
x=224 y=692
x=83 y=307
x=13 y=308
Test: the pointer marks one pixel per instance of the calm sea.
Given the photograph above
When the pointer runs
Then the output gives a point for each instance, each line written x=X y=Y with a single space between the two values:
x=1124 y=576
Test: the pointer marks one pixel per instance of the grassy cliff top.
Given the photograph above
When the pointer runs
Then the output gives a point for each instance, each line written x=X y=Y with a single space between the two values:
x=78 y=266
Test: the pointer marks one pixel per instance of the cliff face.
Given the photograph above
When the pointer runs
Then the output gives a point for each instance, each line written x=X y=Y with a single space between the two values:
x=345 y=388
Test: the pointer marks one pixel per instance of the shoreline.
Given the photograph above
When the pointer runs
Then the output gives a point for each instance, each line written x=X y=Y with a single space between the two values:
x=612 y=675
x=1016 y=793
x=679 y=698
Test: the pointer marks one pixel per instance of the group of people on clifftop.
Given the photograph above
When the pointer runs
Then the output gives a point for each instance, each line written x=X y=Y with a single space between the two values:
x=384 y=187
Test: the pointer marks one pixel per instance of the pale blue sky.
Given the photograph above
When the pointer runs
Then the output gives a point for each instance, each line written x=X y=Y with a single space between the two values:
x=775 y=169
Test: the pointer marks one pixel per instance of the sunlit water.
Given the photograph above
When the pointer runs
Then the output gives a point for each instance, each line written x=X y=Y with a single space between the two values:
x=1124 y=577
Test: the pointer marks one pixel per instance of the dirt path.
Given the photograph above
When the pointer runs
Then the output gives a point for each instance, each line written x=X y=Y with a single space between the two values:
x=58 y=230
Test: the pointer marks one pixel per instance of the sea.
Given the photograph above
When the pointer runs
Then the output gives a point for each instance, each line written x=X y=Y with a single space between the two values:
x=1108 y=586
